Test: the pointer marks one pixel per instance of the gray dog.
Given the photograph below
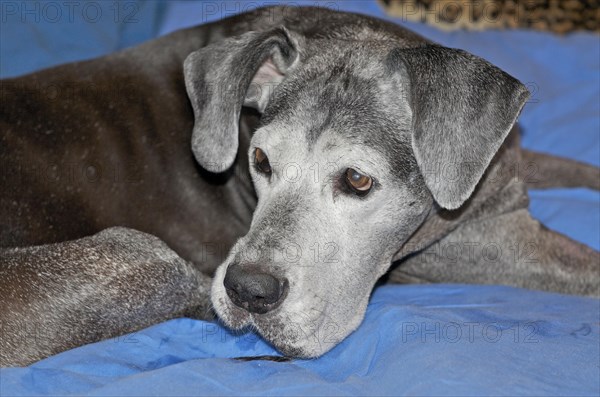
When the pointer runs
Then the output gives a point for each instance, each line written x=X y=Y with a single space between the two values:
x=367 y=146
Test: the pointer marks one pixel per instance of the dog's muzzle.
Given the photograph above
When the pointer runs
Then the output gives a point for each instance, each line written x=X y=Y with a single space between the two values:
x=254 y=289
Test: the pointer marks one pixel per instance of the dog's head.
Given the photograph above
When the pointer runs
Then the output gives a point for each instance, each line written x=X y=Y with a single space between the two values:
x=350 y=157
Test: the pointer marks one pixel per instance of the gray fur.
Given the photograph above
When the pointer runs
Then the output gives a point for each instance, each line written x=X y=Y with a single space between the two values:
x=65 y=295
x=218 y=96
x=333 y=91
x=463 y=109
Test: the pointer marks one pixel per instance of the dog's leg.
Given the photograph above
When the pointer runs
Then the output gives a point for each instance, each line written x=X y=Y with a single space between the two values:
x=543 y=171
x=511 y=249
x=59 y=296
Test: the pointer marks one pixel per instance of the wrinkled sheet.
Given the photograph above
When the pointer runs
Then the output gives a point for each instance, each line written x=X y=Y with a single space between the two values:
x=415 y=340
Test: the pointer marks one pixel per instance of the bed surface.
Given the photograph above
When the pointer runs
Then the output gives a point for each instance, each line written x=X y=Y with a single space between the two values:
x=415 y=340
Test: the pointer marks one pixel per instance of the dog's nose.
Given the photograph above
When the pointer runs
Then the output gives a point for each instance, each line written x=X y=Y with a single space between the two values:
x=253 y=290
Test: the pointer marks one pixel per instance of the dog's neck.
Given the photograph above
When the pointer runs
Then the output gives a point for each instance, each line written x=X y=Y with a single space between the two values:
x=499 y=191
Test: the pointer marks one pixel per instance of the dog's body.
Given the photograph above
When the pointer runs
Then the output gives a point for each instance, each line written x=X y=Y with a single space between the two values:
x=94 y=145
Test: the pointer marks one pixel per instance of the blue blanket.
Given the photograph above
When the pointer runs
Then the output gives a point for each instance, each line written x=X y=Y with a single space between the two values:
x=415 y=340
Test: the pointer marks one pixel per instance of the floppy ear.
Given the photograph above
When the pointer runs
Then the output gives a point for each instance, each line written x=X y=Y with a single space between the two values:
x=222 y=77
x=462 y=110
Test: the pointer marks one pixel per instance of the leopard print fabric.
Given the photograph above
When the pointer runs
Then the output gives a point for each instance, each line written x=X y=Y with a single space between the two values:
x=558 y=16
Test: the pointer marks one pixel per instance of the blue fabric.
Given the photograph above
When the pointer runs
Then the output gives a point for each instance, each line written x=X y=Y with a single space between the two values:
x=511 y=341
x=40 y=34
x=415 y=340
x=573 y=212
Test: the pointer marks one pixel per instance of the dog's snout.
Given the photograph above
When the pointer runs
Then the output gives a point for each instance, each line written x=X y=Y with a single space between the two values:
x=254 y=290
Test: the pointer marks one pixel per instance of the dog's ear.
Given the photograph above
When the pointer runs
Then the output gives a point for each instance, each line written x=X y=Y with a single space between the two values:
x=462 y=110
x=222 y=77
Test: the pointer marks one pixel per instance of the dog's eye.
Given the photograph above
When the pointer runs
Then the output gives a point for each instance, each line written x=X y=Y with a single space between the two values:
x=359 y=183
x=262 y=161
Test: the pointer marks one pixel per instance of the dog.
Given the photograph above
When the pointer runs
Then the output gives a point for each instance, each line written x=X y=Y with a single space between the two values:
x=325 y=147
